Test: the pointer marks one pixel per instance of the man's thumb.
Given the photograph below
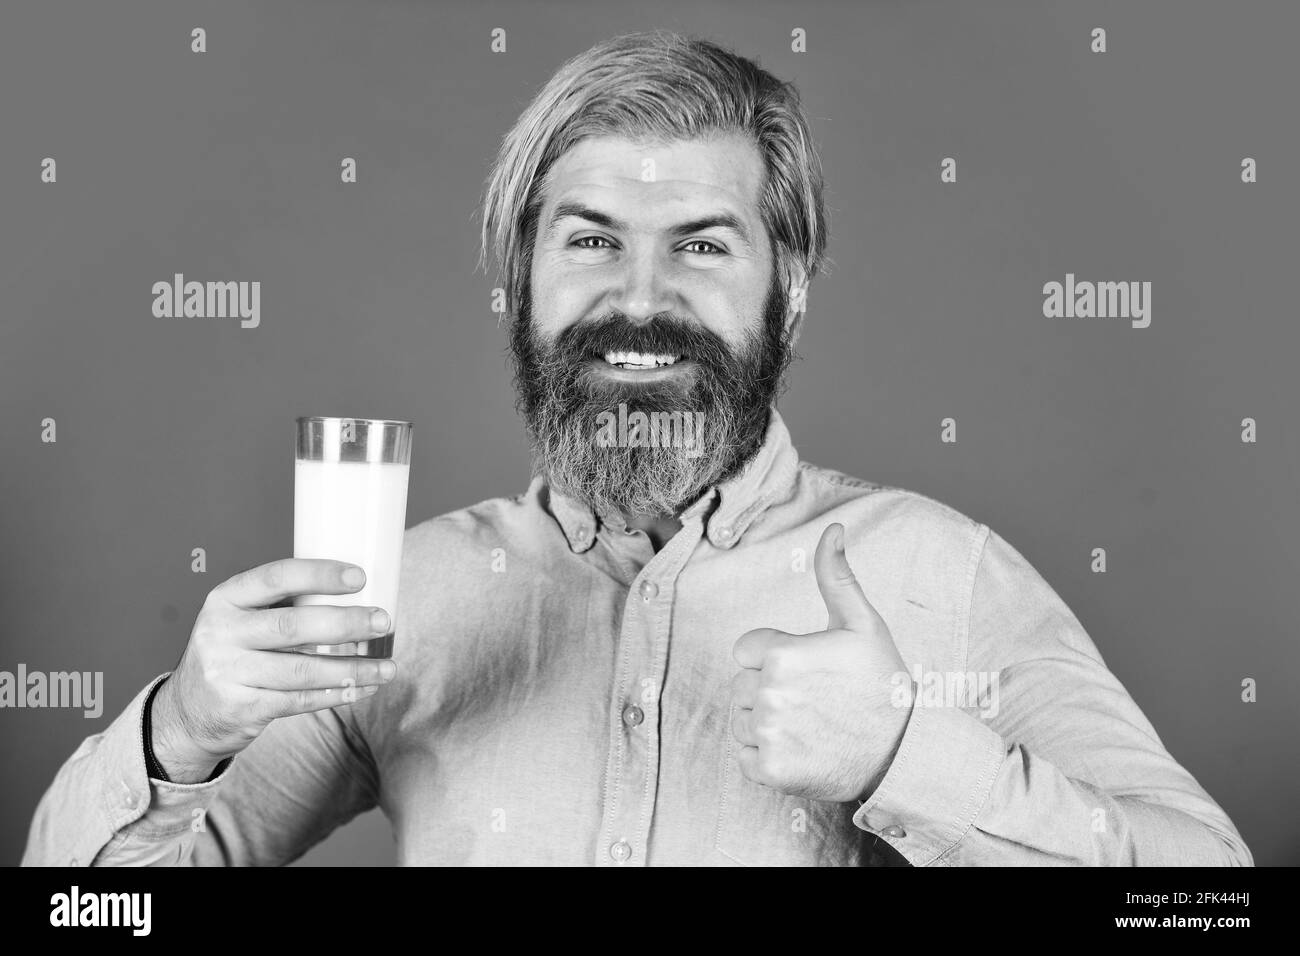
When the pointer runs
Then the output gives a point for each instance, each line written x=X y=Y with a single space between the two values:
x=846 y=606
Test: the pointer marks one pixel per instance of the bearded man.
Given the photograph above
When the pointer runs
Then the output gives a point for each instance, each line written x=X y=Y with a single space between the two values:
x=636 y=662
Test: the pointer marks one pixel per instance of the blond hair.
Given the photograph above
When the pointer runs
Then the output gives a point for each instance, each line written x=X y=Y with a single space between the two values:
x=662 y=87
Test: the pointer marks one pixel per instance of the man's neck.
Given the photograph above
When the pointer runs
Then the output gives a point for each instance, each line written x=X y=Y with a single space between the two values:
x=658 y=529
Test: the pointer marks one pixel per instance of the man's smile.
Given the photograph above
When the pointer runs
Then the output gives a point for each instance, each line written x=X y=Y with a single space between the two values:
x=642 y=366
x=636 y=361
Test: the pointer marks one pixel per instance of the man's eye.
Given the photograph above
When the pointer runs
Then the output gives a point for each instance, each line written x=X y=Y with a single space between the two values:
x=579 y=242
x=712 y=250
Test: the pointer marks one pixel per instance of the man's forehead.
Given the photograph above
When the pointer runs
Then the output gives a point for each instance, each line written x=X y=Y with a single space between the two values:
x=725 y=169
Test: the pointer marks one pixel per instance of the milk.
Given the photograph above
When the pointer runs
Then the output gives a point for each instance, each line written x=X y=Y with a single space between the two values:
x=355 y=512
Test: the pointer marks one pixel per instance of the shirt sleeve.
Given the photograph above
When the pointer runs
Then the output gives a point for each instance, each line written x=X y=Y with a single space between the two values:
x=303 y=777
x=1048 y=761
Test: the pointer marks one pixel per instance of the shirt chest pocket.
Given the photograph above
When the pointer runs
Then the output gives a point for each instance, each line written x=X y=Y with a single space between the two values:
x=758 y=826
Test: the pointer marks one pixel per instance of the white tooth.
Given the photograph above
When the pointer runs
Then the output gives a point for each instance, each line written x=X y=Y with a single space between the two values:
x=640 y=360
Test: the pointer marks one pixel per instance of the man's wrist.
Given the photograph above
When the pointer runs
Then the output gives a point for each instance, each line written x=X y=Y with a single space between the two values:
x=151 y=765
x=902 y=713
x=176 y=763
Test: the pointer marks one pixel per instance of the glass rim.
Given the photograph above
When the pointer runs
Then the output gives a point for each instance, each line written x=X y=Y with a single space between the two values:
x=358 y=421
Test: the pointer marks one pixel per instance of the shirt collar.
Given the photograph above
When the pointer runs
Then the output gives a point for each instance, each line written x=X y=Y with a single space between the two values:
x=765 y=480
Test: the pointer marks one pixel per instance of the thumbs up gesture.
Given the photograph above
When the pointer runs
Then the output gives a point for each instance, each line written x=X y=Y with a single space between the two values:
x=818 y=715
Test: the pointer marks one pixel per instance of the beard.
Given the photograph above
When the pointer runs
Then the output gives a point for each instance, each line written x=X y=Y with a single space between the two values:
x=695 y=429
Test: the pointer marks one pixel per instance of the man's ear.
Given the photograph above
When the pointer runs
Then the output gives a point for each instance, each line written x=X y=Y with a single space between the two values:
x=796 y=291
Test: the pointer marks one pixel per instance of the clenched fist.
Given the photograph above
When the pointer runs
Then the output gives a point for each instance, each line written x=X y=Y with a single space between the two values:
x=818 y=715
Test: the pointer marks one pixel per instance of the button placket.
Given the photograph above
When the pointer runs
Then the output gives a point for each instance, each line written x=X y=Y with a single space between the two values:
x=633 y=765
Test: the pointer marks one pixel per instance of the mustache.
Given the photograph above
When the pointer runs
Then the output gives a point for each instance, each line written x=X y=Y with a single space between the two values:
x=561 y=394
x=661 y=335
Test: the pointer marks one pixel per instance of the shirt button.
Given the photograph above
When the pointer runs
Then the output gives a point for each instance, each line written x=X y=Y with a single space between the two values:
x=620 y=851
x=633 y=715
x=894 y=831
x=649 y=590
x=723 y=534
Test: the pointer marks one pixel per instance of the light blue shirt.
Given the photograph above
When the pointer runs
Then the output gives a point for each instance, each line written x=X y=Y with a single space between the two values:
x=563 y=697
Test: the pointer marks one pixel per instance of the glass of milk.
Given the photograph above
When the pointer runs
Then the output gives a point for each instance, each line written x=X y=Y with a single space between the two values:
x=349 y=504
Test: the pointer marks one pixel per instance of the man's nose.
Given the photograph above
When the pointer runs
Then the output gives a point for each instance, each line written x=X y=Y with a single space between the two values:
x=644 y=288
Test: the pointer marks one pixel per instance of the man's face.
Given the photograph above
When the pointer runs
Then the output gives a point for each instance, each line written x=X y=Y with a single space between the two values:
x=652 y=287
x=643 y=264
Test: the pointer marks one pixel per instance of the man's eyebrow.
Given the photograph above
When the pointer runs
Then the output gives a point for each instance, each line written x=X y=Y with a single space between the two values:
x=565 y=209
x=714 y=220
x=721 y=220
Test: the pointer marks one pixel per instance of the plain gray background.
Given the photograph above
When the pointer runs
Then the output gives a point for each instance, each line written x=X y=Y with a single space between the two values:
x=1072 y=434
